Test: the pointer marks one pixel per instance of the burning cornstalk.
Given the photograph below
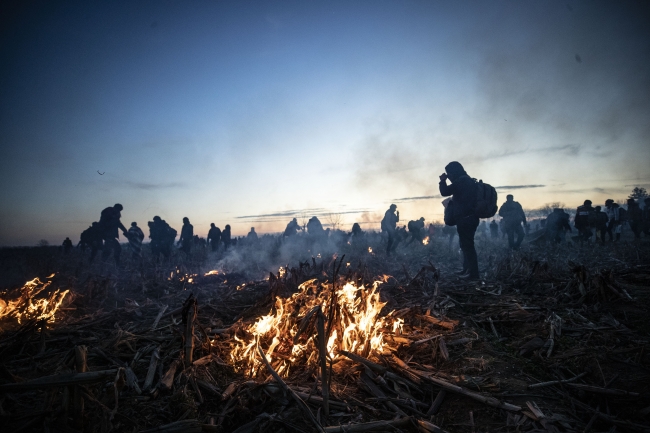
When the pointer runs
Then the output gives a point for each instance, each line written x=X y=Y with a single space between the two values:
x=354 y=325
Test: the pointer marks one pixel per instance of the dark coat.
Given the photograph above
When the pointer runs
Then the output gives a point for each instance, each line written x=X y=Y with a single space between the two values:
x=463 y=190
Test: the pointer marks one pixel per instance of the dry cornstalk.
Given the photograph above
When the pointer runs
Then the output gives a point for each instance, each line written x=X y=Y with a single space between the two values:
x=599 y=390
x=59 y=380
x=556 y=382
x=301 y=404
x=189 y=316
x=155 y=357
x=158 y=317
x=370 y=426
x=80 y=361
x=322 y=352
x=447 y=324
x=490 y=401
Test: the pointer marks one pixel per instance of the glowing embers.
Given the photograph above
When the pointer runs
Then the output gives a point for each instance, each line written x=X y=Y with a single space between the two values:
x=425 y=241
x=178 y=275
x=33 y=302
x=288 y=333
x=212 y=272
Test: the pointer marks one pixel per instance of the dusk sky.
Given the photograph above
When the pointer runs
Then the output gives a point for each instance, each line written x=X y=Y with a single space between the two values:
x=251 y=113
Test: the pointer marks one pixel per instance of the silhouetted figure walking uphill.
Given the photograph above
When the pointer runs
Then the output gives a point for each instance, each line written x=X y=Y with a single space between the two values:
x=214 y=236
x=513 y=215
x=461 y=211
x=109 y=223
x=389 y=225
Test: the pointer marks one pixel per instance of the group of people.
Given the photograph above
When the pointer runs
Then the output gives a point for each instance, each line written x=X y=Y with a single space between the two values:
x=454 y=183
x=609 y=222
x=103 y=236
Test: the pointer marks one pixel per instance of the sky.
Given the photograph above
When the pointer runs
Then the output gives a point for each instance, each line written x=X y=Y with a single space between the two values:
x=252 y=113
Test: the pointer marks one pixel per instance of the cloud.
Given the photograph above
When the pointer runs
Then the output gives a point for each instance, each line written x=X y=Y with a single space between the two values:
x=318 y=212
x=154 y=186
x=506 y=187
x=565 y=149
x=424 y=197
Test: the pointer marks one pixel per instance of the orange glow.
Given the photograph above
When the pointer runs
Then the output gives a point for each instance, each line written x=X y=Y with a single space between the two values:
x=358 y=328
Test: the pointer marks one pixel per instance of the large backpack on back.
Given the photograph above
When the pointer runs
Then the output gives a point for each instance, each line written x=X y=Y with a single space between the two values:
x=486 y=200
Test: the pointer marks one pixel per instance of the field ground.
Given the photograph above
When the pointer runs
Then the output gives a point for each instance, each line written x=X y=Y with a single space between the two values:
x=576 y=315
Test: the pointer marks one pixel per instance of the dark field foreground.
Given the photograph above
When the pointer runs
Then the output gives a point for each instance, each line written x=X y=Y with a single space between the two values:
x=552 y=339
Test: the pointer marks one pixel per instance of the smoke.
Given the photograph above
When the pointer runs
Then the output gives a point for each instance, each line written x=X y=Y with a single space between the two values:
x=531 y=102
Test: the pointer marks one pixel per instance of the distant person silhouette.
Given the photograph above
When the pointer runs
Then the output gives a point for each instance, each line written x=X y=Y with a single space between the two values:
x=226 y=237
x=67 y=246
x=513 y=215
x=187 y=235
x=292 y=228
x=214 y=237
x=92 y=238
x=135 y=237
x=109 y=223
x=162 y=237
x=389 y=226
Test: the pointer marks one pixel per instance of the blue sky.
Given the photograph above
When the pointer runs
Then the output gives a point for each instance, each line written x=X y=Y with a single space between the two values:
x=225 y=111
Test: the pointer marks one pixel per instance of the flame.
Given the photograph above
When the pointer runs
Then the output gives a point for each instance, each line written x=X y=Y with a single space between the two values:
x=27 y=306
x=370 y=250
x=357 y=328
x=212 y=272
x=425 y=241
x=282 y=272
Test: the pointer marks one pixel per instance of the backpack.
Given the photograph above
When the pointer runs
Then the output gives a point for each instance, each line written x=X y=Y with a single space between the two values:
x=486 y=200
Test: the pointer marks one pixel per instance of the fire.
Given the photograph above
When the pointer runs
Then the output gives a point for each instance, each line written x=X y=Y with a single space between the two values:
x=425 y=241
x=212 y=272
x=370 y=250
x=27 y=306
x=357 y=327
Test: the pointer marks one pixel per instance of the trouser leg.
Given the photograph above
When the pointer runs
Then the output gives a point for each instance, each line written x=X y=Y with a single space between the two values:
x=511 y=236
x=466 y=231
x=391 y=240
x=520 y=236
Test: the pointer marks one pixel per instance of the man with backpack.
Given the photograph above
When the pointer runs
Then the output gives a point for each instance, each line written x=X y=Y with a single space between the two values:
x=469 y=201
x=513 y=215
x=584 y=220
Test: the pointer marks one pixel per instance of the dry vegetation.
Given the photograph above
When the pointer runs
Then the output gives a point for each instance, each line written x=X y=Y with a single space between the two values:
x=553 y=339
